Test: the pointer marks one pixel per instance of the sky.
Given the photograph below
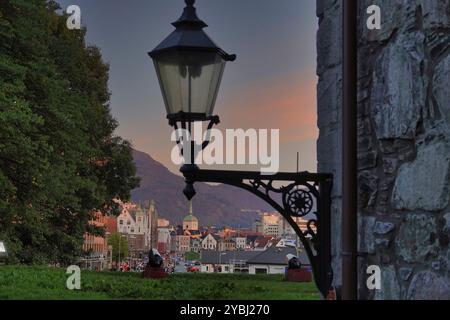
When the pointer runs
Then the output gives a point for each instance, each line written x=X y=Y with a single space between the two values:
x=271 y=85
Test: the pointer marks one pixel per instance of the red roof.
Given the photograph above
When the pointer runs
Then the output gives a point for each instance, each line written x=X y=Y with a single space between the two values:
x=111 y=225
x=261 y=242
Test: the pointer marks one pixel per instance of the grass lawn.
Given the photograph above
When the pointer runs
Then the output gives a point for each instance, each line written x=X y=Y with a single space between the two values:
x=22 y=282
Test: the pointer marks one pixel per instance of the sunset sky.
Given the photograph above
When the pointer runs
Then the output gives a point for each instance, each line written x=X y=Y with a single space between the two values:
x=272 y=84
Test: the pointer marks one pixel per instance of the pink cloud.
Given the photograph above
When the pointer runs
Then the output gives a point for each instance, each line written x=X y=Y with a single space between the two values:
x=286 y=104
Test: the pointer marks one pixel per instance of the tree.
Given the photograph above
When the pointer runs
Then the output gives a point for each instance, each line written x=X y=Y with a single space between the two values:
x=60 y=160
x=119 y=245
x=191 y=256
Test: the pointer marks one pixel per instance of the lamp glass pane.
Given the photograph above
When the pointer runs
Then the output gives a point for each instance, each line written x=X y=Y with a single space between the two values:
x=189 y=80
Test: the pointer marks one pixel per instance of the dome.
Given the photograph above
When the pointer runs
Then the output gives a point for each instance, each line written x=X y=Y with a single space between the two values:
x=190 y=218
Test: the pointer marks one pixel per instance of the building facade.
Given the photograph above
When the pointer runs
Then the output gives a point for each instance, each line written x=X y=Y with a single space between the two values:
x=228 y=244
x=196 y=245
x=241 y=243
x=97 y=251
x=183 y=243
x=209 y=242
x=140 y=223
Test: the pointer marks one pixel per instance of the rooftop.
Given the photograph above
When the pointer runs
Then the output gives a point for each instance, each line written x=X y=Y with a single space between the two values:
x=273 y=255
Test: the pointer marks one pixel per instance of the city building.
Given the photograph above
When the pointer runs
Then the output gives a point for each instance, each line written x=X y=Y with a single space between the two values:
x=268 y=224
x=270 y=261
x=164 y=239
x=241 y=243
x=209 y=242
x=273 y=224
x=190 y=222
x=182 y=240
x=97 y=252
x=133 y=220
x=225 y=262
x=196 y=245
x=274 y=261
x=227 y=244
x=262 y=243
x=163 y=223
x=136 y=245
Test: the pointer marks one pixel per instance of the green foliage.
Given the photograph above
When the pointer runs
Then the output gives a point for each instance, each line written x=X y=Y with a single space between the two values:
x=18 y=282
x=119 y=245
x=191 y=256
x=59 y=158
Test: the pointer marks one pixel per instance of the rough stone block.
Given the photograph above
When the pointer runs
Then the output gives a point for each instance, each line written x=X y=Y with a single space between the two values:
x=428 y=285
x=436 y=14
x=441 y=88
x=367 y=160
x=329 y=43
x=424 y=183
x=390 y=288
x=399 y=88
x=417 y=239
x=367 y=189
x=368 y=243
x=383 y=228
x=329 y=98
x=405 y=273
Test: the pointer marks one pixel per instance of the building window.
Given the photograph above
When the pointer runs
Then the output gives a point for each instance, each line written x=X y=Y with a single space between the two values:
x=120 y=221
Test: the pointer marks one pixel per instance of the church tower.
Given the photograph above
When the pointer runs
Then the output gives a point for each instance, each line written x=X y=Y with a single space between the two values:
x=190 y=222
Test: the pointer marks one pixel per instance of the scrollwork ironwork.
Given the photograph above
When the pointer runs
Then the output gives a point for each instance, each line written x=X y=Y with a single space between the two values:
x=298 y=199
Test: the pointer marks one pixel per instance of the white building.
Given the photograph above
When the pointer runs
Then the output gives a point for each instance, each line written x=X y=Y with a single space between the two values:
x=133 y=220
x=164 y=235
x=285 y=229
x=270 y=261
x=268 y=224
x=240 y=243
x=209 y=242
x=225 y=262
x=273 y=261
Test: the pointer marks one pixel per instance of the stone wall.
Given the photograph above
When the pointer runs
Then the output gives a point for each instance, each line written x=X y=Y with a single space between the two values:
x=403 y=142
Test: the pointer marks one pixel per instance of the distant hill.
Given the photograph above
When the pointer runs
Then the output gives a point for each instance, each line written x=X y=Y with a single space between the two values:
x=213 y=205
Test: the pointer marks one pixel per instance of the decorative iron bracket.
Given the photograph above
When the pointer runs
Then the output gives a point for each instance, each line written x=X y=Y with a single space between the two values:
x=306 y=195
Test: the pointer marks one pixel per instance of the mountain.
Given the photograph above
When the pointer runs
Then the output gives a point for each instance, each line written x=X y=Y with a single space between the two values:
x=217 y=205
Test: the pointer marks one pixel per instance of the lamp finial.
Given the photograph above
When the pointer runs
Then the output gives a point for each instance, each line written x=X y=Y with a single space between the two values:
x=189 y=3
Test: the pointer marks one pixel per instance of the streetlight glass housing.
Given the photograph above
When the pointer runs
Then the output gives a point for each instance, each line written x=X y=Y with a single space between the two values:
x=189 y=66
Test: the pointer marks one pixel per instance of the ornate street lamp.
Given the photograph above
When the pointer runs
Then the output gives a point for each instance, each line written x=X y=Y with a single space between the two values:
x=190 y=67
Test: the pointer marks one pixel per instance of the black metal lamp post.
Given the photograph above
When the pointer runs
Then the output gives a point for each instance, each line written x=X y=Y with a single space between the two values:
x=190 y=67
